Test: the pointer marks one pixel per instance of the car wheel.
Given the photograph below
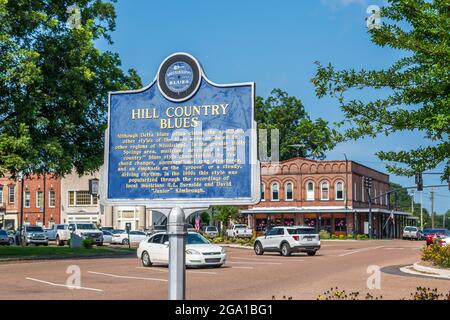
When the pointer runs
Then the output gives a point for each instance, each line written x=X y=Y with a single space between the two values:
x=259 y=249
x=58 y=242
x=285 y=250
x=146 y=262
x=125 y=241
x=311 y=253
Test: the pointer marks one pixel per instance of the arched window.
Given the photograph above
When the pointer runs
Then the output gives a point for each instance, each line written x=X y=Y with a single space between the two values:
x=289 y=191
x=263 y=192
x=275 y=191
x=310 y=190
x=339 y=190
x=324 y=190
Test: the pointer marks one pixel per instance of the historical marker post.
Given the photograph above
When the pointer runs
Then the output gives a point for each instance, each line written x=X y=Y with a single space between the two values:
x=179 y=145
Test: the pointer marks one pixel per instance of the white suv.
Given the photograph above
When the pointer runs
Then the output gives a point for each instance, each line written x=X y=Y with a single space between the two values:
x=286 y=240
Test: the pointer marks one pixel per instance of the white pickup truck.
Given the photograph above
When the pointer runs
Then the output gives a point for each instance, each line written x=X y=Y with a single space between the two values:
x=239 y=231
x=83 y=230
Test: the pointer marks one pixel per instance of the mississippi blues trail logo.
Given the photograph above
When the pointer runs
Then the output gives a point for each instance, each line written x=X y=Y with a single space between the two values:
x=179 y=76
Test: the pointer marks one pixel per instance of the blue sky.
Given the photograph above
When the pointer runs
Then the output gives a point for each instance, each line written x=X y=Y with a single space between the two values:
x=273 y=43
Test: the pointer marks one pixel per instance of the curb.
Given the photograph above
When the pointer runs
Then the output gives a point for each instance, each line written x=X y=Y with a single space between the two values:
x=235 y=246
x=429 y=273
x=46 y=258
x=436 y=271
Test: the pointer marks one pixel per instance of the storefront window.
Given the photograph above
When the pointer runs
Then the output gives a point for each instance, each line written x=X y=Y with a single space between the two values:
x=339 y=224
x=311 y=222
x=263 y=192
x=288 y=221
x=261 y=224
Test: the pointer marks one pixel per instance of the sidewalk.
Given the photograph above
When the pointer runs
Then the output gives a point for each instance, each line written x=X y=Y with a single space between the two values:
x=426 y=271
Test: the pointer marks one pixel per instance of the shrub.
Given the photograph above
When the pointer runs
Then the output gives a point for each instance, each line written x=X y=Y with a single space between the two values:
x=439 y=256
x=324 y=234
x=88 y=243
x=350 y=236
x=423 y=293
x=333 y=236
x=362 y=236
x=341 y=236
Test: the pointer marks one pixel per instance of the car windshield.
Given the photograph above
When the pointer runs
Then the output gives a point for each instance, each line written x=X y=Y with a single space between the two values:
x=86 y=226
x=35 y=229
x=117 y=231
x=302 y=231
x=61 y=227
x=195 y=238
x=211 y=229
x=3 y=233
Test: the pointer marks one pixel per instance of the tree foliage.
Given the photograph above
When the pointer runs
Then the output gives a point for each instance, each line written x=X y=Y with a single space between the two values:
x=419 y=85
x=54 y=84
x=288 y=115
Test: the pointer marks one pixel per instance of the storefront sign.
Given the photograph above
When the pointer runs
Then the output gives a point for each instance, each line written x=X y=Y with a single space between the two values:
x=181 y=141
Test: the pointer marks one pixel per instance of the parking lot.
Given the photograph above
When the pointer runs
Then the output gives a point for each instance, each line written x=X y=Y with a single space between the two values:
x=341 y=264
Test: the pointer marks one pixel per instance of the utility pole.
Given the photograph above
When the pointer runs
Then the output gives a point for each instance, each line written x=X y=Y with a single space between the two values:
x=421 y=210
x=432 y=207
x=412 y=202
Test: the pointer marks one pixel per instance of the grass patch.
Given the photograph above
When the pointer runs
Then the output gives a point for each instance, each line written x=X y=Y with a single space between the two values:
x=33 y=252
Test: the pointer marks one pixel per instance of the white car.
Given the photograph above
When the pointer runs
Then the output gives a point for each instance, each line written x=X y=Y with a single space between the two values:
x=121 y=237
x=211 y=231
x=286 y=240
x=199 y=251
x=107 y=236
x=444 y=241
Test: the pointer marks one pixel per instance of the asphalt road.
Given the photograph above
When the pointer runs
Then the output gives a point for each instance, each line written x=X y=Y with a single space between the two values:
x=341 y=264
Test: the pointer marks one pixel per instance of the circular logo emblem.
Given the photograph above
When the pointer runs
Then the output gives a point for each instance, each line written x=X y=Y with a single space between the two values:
x=179 y=77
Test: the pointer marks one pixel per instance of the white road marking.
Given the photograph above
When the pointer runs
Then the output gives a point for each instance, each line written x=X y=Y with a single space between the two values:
x=359 y=250
x=263 y=259
x=64 y=285
x=251 y=262
x=188 y=271
x=242 y=267
x=393 y=248
x=126 y=277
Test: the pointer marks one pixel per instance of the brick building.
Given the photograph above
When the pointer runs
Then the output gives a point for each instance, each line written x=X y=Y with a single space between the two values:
x=42 y=200
x=328 y=195
x=9 y=203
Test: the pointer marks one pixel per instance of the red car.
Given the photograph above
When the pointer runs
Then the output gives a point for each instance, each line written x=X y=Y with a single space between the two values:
x=431 y=234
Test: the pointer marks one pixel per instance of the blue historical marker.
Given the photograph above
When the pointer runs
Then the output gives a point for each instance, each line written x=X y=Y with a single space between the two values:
x=182 y=141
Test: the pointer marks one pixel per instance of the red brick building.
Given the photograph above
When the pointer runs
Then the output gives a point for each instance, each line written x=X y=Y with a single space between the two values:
x=9 y=203
x=328 y=195
x=42 y=200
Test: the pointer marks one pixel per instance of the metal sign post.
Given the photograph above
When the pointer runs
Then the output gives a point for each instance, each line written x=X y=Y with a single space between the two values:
x=176 y=228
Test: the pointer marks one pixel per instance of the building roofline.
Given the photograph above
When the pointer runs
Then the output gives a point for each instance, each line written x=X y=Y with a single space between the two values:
x=331 y=161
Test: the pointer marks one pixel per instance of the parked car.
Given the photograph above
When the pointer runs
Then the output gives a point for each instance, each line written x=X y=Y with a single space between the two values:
x=432 y=234
x=34 y=235
x=107 y=236
x=83 y=230
x=4 y=239
x=211 y=231
x=122 y=237
x=53 y=231
x=411 y=233
x=11 y=236
x=239 y=231
x=286 y=240
x=444 y=241
x=106 y=228
x=199 y=251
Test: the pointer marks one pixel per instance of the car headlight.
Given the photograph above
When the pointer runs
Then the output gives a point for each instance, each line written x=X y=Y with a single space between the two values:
x=223 y=250
x=192 y=251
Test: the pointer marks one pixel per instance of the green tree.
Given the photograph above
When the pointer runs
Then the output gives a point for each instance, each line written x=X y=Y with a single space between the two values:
x=288 y=115
x=418 y=85
x=403 y=203
x=54 y=84
x=224 y=214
